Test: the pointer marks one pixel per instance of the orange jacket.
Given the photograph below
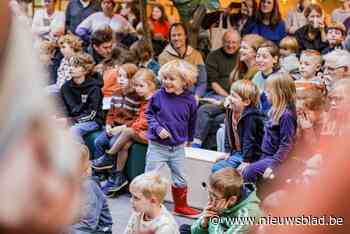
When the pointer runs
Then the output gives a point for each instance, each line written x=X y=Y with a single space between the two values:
x=110 y=84
x=140 y=125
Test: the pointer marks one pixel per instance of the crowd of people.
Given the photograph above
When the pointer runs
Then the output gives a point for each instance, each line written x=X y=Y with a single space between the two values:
x=271 y=94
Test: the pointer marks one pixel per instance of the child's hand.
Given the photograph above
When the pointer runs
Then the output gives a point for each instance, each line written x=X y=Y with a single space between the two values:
x=164 y=134
x=304 y=121
x=221 y=205
x=208 y=212
x=242 y=167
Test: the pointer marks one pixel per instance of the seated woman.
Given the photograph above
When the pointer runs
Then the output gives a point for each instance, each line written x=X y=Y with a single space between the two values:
x=269 y=23
x=313 y=34
x=102 y=19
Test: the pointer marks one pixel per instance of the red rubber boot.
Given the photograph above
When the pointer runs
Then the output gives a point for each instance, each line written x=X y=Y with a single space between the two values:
x=180 y=203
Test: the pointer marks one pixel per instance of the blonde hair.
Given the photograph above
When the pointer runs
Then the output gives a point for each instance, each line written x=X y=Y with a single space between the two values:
x=247 y=90
x=73 y=41
x=314 y=54
x=150 y=184
x=227 y=181
x=180 y=68
x=289 y=43
x=47 y=48
x=83 y=59
x=147 y=76
x=282 y=94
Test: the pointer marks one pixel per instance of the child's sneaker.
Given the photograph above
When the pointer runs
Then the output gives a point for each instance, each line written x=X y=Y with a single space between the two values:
x=103 y=163
x=114 y=184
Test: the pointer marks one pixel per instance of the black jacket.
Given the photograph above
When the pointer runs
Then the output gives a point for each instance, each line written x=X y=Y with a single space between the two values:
x=83 y=102
x=250 y=129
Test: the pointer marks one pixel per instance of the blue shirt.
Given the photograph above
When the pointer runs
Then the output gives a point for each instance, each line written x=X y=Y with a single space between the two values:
x=175 y=113
x=273 y=33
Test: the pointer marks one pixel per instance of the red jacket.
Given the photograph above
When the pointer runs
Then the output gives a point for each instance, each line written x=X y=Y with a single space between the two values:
x=140 y=125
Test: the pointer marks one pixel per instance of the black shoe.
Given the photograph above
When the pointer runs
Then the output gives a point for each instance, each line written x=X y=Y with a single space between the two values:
x=119 y=182
x=103 y=163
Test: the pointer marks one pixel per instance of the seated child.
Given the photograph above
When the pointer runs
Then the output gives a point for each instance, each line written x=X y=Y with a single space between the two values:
x=310 y=65
x=280 y=128
x=110 y=78
x=82 y=97
x=289 y=49
x=228 y=197
x=151 y=216
x=143 y=53
x=336 y=33
x=95 y=217
x=267 y=58
x=145 y=85
x=244 y=123
x=69 y=46
x=336 y=67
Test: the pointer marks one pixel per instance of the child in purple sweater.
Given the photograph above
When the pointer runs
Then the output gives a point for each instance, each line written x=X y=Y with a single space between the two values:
x=171 y=117
x=280 y=129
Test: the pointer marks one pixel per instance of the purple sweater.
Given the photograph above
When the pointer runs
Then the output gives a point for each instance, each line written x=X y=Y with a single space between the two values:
x=175 y=113
x=279 y=139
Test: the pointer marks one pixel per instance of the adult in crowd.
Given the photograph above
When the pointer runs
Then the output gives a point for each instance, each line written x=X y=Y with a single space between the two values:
x=42 y=177
x=219 y=65
x=342 y=13
x=269 y=23
x=159 y=26
x=296 y=18
x=312 y=35
x=178 y=48
x=48 y=23
x=78 y=10
x=102 y=19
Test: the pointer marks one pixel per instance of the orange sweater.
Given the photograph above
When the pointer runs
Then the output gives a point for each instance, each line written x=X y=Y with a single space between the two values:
x=110 y=84
x=140 y=125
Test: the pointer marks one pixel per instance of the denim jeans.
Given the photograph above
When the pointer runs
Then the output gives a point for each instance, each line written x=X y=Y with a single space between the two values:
x=174 y=156
x=208 y=116
x=233 y=161
x=103 y=142
x=79 y=130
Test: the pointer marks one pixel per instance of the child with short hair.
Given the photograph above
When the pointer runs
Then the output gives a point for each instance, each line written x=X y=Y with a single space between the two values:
x=244 y=125
x=267 y=60
x=289 y=48
x=336 y=33
x=82 y=97
x=171 y=117
x=151 y=216
x=310 y=65
x=229 y=198
x=69 y=46
x=95 y=216
x=144 y=82
x=280 y=129
x=143 y=52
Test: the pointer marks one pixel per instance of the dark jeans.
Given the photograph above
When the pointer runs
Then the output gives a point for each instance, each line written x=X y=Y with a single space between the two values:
x=209 y=118
x=185 y=229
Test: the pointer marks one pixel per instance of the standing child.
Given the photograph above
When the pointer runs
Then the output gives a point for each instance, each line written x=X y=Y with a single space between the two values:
x=145 y=86
x=82 y=97
x=267 y=58
x=171 y=117
x=289 y=49
x=280 y=129
x=151 y=216
x=244 y=125
x=95 y=216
